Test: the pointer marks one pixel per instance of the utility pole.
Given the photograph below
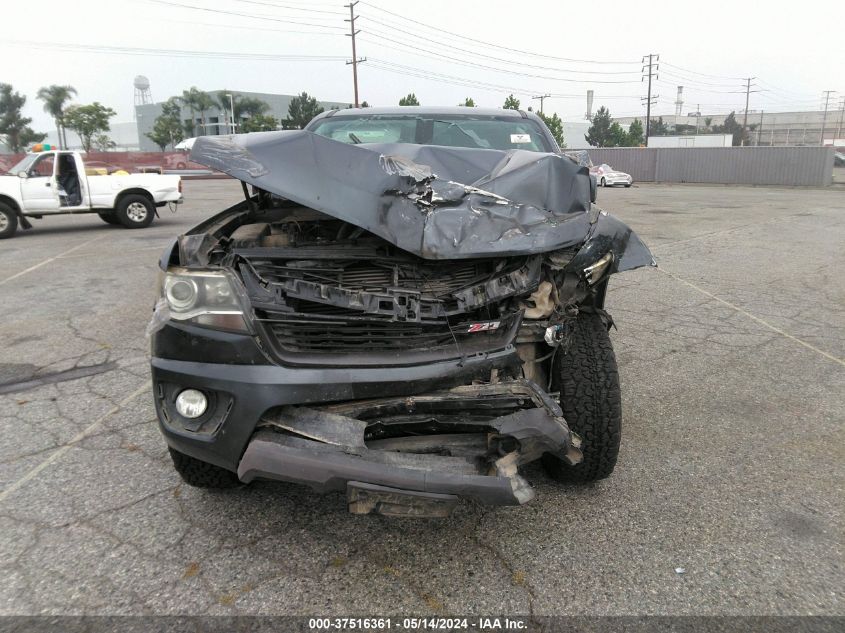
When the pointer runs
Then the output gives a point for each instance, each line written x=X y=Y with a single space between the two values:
x=697 y=116
x=653 y=67
x=760 y=129
x=541 y=98
x=841 y=117
x=352 y=33
x=745 y=116
x=827 y=94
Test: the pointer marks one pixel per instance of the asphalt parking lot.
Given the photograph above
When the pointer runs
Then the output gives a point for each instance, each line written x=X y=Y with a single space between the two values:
x=727 y=499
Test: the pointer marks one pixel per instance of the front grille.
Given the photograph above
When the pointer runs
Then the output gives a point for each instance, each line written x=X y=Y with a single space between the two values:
x=301 y=338
x=303 y=335
x=370 y=276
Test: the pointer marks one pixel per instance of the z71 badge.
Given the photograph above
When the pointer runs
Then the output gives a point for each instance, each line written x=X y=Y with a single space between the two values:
x=484 y=326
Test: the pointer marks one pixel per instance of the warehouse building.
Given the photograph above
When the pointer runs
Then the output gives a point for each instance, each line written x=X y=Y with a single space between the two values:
x=217 y=120
x=770 y=128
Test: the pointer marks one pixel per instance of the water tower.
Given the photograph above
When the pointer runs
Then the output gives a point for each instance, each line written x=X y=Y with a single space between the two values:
x=142 y=90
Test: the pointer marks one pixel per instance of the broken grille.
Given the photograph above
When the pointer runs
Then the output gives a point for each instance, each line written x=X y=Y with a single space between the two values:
x=378 y=276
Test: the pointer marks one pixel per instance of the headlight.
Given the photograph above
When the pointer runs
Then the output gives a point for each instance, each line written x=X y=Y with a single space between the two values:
x=207 y=298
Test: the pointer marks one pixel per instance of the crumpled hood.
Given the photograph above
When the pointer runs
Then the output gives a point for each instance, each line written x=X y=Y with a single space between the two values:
x=435 y=202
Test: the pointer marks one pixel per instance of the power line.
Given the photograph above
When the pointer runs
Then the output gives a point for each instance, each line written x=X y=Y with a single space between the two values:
x=417 y=50
x=291 y=8
x=698 y=73
x=355 y=60
x=748 y=91
x=541 y=98
x=653 y=67
x=453 y=47
x=826 y=94
x=496 y=46
x=161 y=52
x=243 y=15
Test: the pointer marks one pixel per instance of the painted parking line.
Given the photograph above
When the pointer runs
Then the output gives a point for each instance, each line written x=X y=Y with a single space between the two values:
x=55 y=455
x=50 y=259
x=755 y=318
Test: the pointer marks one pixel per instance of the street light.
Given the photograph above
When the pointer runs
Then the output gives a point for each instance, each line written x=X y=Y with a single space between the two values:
x=232 y=109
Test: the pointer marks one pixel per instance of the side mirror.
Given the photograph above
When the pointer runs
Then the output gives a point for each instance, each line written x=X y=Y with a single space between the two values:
x=23 y=174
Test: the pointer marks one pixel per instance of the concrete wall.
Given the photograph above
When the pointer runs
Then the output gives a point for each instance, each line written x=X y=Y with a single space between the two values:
x=794 y=166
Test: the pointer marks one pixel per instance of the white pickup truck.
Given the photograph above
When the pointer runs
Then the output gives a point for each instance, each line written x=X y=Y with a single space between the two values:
x=57 y=182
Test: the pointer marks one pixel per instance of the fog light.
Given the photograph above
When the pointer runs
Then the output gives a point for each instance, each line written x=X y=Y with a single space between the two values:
x=191 y=403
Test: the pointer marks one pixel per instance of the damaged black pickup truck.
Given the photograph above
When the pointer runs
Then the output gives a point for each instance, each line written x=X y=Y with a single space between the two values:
x=394 y=317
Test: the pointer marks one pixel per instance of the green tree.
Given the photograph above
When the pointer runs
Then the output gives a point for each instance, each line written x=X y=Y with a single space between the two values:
x=635 y=134
x=167 y=129
x=88 y=121
x=14 y=128
x=555 y=126
x=410 y=100
x=260 y=123
x=301 y=110
x=469 y=102
x=102 y=143
x=511 y=103
x=598 y=135
x=658 y=128
x=54 y=98
x=364 y=104
x=733 y=127
x=618 y=136
x=197 y=101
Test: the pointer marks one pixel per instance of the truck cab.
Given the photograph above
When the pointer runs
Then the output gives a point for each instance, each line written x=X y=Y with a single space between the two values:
x=51 y=182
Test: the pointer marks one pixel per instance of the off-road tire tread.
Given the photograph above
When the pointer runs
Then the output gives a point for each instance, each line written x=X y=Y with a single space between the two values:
x=202 y=474
x=588 y=379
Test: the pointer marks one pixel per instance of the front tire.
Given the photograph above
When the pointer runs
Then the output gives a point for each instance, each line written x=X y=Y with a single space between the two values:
x=202 y=474
x=135 y=211
x=109 y=218
x=588 y=380
x=603 y=182
x=8 y=221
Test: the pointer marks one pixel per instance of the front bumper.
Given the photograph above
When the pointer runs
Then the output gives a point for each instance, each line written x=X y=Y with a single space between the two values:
x=316 y=426
x=338 y=448
x=242 y=385
x=610 y=181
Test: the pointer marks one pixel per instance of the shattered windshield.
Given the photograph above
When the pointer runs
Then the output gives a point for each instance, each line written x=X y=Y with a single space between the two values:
x=475 y=131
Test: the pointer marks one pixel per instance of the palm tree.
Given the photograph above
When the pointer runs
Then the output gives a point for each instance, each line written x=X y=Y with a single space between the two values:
x=54 y=98
x=189 y=100
x=203 y=102
x=225 y=106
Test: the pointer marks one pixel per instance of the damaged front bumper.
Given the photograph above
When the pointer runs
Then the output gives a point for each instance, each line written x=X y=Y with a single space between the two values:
x=415 y=455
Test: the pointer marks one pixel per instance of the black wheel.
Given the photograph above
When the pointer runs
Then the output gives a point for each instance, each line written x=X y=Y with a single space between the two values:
x=588 y=380
x=202 y=474
x=8 y=221
x=603 y=182
x=109 y=218
x=135 y=211
x=628 y=185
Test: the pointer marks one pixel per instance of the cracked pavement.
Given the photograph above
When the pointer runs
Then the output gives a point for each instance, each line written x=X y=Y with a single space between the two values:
x=731 y=358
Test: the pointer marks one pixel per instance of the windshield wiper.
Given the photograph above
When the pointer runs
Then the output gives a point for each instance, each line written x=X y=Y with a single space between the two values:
x=354 y=138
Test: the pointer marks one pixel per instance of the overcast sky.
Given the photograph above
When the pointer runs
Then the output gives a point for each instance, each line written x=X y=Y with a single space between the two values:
x=705 y=46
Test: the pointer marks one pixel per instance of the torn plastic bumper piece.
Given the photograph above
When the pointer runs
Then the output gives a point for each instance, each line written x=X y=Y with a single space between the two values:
x=415 y=475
